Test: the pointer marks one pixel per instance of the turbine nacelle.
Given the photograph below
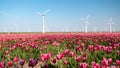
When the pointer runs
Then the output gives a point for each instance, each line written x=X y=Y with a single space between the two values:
x=43 y=14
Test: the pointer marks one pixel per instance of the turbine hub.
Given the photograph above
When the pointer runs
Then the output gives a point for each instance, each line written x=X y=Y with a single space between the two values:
x=42 y=14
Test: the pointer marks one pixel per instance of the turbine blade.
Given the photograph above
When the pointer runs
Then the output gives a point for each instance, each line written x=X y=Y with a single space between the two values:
x=88 y=16
x=46 y=11
x=39 y=13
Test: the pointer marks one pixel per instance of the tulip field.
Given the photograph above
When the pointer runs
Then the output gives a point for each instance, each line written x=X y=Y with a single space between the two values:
x=60 y=50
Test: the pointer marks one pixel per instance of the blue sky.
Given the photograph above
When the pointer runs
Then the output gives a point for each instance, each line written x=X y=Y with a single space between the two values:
x=64 y=15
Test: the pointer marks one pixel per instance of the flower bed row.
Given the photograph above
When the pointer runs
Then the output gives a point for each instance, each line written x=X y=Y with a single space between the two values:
x=80 y=50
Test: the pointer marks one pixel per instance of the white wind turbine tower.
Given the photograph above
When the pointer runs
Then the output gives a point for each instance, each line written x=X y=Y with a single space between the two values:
x=43 y=16
x=110 y=24
x=86 y=22
x=29 y=29
x=95 y=28
x=5 y=29
x=16 y=27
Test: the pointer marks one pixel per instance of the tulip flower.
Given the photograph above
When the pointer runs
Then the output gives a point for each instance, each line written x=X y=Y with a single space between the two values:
x=32 y=62
x=90 y=47
x=65 y=62
x=59 y=57
x=113 y=67
x=10 y=63
x=22 y=62
x=79 y=58
x=118 y=62
x=110 y=60
x=105 y=62
x=83 y=65
x=2 y=64
x=71 y=53
x=77 y=47
x=54 y=60
x=15 y=59
x=66 y=51
x=6 y=52
x=82 y=45
x=46 y=66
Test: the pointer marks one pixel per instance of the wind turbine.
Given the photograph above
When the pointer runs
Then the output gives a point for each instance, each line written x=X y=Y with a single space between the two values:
x=86 y=22
x=43 y=16
x=16 y=27
x=5 y=29
x=95 y=28
x=29 y=29
x=110 y=24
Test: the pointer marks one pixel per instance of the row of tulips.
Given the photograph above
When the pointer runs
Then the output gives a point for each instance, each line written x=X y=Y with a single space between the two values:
x=75 y=50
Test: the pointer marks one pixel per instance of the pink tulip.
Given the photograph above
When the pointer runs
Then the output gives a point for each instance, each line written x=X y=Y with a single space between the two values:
x=116 y=46
x=108 y=49
x=90 y=47
x=97 y=65
x=71 y=53
x=118 y=52
x=59 y=57
x=80 y=49
x=2 y=64
x=23 y=46
x=63 y=54
x=27 y=49
x=118 y=62
x=55 y=43
x=83 y=65
x=6 y=52
x=10 y=63
x=99 y=47
x=66 y=51
x=14 y=47
x=65 y=62
x=54 y=60
x=49 y=55
x=95 y=48
x=15 y=59
x=113 y=67
x=110 y=60
x=77 y=47
x=93 y=63
x=105 y=62
x=45 y=57
x=82 y=45
x=79 y=58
